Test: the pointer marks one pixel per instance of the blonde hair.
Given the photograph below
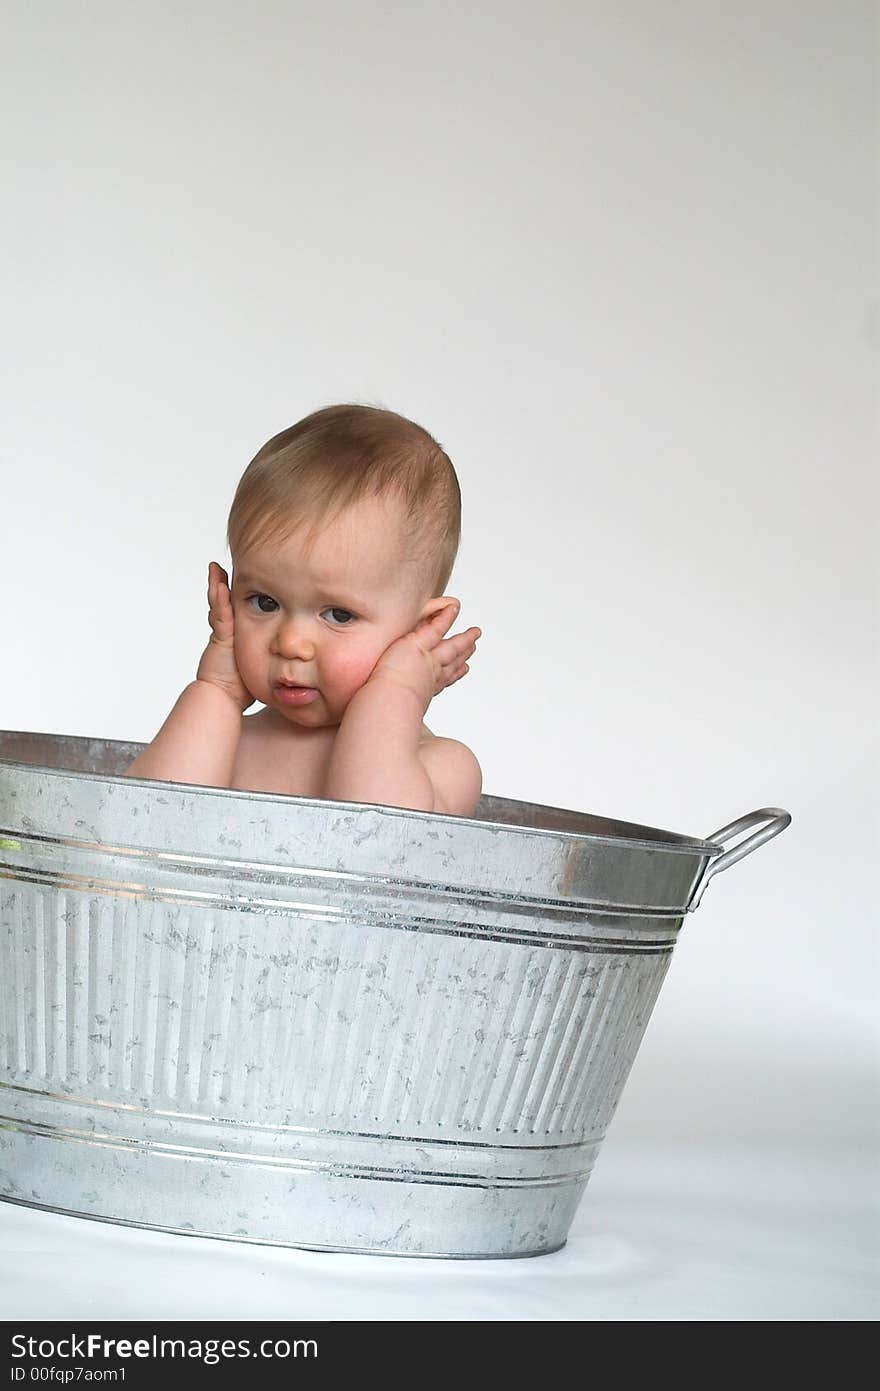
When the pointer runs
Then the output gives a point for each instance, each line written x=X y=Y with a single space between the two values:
x=309 y=474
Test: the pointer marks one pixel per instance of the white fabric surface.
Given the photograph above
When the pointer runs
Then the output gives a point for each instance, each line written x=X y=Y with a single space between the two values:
x=663 y=1233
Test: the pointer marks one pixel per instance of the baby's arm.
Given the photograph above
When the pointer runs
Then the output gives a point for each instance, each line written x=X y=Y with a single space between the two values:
x=199 y=740
x=377 y=755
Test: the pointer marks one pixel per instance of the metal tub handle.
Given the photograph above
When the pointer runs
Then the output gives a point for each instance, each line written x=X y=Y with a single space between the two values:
x=776 y=820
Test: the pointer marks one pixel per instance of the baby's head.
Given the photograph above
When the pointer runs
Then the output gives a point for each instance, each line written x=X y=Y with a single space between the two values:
x=343 y=533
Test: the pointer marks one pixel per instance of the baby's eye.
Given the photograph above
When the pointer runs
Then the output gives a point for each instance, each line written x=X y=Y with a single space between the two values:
x=258 y=597
x=341 y=618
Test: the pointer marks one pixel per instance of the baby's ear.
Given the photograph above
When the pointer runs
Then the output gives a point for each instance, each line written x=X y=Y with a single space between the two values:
x=434 y=606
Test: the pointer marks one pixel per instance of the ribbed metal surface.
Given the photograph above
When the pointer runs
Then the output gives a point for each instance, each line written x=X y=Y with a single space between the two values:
x=410 y=1035
x=333 y=1024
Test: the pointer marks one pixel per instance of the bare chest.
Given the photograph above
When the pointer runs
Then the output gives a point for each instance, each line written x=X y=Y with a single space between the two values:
x=271 y=760
x=285 y=760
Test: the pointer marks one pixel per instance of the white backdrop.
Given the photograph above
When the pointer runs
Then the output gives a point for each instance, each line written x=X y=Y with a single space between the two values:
x=620 y=260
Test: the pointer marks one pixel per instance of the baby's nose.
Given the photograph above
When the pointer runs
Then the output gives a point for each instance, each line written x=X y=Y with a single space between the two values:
x=292 y=641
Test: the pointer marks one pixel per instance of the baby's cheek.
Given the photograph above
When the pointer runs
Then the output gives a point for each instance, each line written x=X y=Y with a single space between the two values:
x=245 y=656
x=351 y=669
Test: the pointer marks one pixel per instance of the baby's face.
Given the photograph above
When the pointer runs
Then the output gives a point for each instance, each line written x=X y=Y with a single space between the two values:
x=324 y=620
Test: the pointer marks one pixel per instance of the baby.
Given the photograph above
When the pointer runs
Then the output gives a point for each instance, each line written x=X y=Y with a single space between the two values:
x=343 y=533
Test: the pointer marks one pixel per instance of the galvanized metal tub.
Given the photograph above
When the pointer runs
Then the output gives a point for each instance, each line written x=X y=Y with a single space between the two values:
x=322 y=1024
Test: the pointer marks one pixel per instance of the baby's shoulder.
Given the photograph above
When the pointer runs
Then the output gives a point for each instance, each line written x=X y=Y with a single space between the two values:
x=455 y=774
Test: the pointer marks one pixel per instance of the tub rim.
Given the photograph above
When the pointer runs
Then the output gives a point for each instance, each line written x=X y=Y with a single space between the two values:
x=667 y=841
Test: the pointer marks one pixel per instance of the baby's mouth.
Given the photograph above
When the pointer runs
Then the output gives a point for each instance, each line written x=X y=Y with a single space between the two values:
x=292 y=693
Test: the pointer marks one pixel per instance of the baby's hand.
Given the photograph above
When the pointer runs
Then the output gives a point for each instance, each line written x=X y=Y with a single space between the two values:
x=423 y=661
x=218 y=664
